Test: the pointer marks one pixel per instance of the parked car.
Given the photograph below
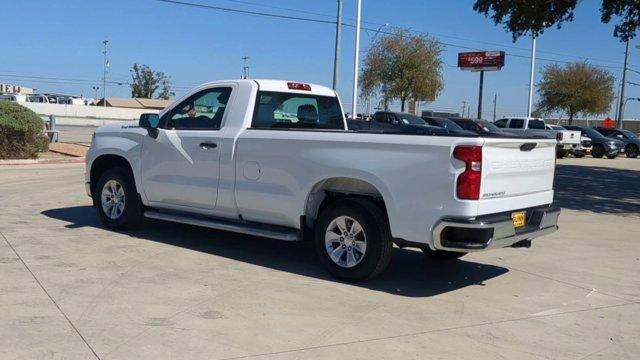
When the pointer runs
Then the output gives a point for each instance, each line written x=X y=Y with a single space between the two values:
x=447 y=124
x=631 y=141
x=601 y=145
x=579 y=149
x=395 y=122
x=228 y=156
x=567 y=140
x=13 y=97
x=482 y=127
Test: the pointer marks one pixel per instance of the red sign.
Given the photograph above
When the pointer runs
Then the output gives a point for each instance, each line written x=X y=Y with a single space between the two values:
x=608 y=123
x=481 y=60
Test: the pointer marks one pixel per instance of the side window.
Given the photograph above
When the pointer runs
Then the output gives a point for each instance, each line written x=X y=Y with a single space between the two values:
x=390 y=118
x=292 y=111
x=201 y=111
x=516 y=124
x=379 y=117
x=502 y=123
x=536 y=124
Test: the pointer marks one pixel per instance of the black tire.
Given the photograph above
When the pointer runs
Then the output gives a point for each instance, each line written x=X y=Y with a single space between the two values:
x=597 y=151
x=560 y=154
x=631 y=151
x=375 y=228
x=611 y=156
x=442 y=255
x=131 y=215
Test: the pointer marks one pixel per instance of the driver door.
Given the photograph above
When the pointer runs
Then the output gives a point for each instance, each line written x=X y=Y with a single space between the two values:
x=181 y=165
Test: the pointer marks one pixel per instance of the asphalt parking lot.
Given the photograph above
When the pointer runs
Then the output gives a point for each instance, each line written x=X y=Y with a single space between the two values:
x=70 y=289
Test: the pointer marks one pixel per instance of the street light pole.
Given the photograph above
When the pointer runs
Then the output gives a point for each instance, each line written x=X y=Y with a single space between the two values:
x=336 y=56
x=104 y=74
x=531 y=74
x=356 y=61
x=624 y=77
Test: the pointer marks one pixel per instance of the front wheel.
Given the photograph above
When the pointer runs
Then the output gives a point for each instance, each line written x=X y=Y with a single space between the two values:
x=442 y=255
x=116 y=199
x=597 y=152
x=631 y=151
x=353 y=239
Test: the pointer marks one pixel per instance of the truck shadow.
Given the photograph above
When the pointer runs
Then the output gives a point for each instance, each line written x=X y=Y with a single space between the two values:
x=409 y=273
x=598 y=189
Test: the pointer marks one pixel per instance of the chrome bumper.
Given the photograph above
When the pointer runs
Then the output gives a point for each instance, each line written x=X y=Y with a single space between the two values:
x=493 y=231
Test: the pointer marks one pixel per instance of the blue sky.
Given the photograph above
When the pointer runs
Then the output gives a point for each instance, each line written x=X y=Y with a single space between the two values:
x=63 y=40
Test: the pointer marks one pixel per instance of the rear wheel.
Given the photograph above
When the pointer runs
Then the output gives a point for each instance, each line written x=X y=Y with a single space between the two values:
x=442 y=255
x=631 y=151
x=353 y=240
x=116 y=199
x=597 y=152
x=560 y=154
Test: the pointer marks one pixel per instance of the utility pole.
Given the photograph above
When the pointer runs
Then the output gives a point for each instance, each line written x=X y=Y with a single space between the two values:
x=495 y=101
x=336 y=56
x=464 y=106
x=356 y=61
x=531 y=74
x=624 y=77
x=245 y=68
x=480 y=94
x=105 y=69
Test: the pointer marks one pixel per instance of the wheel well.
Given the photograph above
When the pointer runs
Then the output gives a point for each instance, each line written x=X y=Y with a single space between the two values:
x=104 y=163
x=330 y=190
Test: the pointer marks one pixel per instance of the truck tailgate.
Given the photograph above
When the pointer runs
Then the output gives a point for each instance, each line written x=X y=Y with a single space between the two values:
x=517 y=168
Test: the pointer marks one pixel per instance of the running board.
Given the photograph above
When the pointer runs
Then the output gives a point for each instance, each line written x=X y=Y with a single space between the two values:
x=273 y=232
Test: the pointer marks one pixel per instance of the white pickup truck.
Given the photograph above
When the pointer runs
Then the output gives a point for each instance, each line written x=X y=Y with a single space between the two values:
x=568 y=140
x=275 y=159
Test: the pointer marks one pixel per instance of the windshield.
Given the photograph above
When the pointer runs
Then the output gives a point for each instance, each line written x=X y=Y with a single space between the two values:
x=448 y=124
x=628 y=134
x=488 y=126
x=592 y=133
x=409 y=119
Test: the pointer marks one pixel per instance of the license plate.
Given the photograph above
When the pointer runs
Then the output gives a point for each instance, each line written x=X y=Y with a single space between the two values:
x=519 y=218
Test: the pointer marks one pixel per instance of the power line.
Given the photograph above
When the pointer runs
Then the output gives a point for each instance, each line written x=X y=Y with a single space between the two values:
x=299 y=18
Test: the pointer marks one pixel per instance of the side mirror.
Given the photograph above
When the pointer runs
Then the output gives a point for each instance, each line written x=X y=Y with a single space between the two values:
x=150 y=122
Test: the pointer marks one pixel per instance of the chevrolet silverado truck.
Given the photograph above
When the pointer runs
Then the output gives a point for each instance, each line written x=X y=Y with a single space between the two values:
x=275 y=159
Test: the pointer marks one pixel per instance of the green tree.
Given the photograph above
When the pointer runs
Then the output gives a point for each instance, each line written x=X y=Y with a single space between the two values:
x=404 y=67
x=577 y=88
x=521 y=17
x=145 y=83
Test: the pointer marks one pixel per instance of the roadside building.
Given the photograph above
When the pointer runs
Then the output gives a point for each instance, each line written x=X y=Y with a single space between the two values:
x=135 y=103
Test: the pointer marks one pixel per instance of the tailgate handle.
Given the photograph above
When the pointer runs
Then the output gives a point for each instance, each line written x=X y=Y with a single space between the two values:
x=527 y=146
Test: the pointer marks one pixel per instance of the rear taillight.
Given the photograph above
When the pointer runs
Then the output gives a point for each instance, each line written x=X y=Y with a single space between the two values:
x=468 y=186
x=559 y=136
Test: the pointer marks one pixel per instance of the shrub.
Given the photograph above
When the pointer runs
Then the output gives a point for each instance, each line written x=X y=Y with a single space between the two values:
x=21 y=132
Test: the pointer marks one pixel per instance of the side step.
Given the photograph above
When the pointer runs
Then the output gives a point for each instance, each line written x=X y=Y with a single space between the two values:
x=273 y=232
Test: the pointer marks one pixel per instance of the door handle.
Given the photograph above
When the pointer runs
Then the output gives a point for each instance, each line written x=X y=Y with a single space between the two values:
x=207 y=145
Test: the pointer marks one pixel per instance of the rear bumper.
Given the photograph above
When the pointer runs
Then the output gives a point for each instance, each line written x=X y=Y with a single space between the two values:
x=493 y=231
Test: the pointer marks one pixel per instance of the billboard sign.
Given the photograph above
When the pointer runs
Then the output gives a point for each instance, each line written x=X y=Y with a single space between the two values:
x=481 y=60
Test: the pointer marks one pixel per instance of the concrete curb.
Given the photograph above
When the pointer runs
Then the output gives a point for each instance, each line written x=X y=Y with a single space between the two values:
x=74 y=160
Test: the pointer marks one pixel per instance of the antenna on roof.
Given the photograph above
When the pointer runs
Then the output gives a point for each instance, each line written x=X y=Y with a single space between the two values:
x=245 y=68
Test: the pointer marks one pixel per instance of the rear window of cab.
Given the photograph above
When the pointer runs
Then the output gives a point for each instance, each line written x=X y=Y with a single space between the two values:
x=279 y=110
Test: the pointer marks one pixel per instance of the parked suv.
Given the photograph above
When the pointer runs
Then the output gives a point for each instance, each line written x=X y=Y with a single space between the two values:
x=601 y=145
x=631 y=141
